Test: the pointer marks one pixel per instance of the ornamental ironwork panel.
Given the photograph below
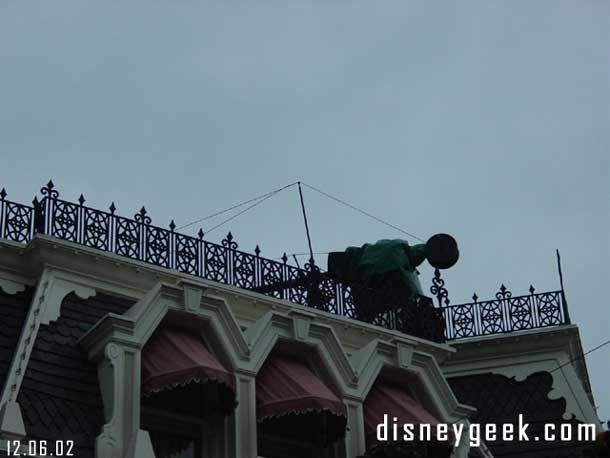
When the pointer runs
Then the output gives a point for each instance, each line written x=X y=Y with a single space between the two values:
x=188 y=254
x=97 y=229
x=297 y=293
x=137 y=238
x=16 y=221
x=157 y=246
x=520 y=313
x=491 y=316
x=127 y=237
x=460 y=321
x=216 y=262
x=329 y=299
x=64 y=219
x=549 y=308
x=272 y=273
x=244 y=269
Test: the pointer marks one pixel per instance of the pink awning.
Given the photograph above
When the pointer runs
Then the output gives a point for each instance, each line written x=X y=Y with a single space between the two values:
x=176 y=357
x=287 y=385
x=393 y=401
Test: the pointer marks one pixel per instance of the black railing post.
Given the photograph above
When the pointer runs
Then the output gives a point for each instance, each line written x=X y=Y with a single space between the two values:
x=112 y=229
x=230 y=246
x=143 y=221
x=477 y=316
x=50 y=195
x=2 y=211
x=533 y=309
x=171 y=260
x=80 y=220
x=504 y=296
x=258 y=273
x=284 y=276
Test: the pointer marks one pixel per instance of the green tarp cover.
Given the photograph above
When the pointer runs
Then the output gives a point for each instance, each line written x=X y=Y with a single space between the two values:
x=385 y=263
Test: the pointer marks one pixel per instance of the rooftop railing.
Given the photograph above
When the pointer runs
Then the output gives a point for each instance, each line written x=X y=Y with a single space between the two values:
x=506 y=313
x=137 y=238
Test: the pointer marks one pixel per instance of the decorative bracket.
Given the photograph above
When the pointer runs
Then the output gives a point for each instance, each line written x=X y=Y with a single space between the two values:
x=10 y=286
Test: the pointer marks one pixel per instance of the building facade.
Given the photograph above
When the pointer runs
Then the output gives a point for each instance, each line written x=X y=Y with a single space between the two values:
x=121 y=339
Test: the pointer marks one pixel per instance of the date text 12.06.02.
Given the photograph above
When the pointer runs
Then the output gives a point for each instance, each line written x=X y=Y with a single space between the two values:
x=40 y=448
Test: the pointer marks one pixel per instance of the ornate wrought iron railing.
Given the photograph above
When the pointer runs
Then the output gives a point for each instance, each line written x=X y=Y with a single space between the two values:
x=139 y=239
x=505 y=313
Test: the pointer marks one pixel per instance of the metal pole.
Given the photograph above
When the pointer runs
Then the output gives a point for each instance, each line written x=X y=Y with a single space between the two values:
x=566 y=313
x=311 y=260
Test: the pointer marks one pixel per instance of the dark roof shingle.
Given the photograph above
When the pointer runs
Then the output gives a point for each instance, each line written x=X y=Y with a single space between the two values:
x=501 y=399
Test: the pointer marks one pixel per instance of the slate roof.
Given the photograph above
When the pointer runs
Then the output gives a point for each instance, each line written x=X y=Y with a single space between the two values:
x=13 y=310
x=60 y=396
x=501 y=399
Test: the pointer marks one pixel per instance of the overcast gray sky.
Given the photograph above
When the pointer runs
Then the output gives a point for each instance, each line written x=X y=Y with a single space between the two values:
x=485 y=119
